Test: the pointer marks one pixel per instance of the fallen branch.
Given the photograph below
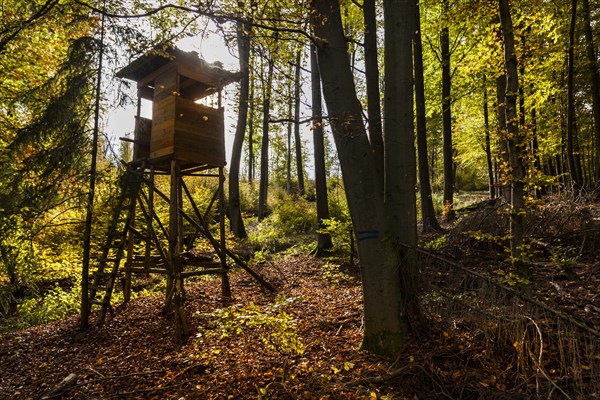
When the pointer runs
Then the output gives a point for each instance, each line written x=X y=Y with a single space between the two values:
x=66 y=384
x=55 y=394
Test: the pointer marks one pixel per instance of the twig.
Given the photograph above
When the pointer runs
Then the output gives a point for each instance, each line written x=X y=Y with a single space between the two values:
x=381 y=378
x=539 y=360
x=149 y=390
x=96 y=372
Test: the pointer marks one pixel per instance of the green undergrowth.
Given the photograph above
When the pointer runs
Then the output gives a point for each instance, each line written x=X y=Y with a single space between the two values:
x=275 y=327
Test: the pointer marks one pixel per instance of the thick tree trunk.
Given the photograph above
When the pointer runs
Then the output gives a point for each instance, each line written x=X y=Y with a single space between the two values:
x=372 y=81
x=573 y=171
x=386 y=322
x=514 y=140
x=323 y=239
x=399 y=143
x=488 y=147
x=448 y=150
x=297 y=139
x=430 y=223
x=236 y=223
x=595 y=82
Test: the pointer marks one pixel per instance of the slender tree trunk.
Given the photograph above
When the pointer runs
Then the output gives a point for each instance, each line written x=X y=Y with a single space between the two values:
x=386 y=321
x=488 y=147
x=299 y=163
x=573 y=172
x=87 y=234
x=236 y=223
x=430 y=223
x=372 y=82
x=514 y=139
x=595 y=82
x=535 y=148
x=323 y=239
x=264 y=150
x=448 y=150
x=503 y=189
x=288 y=166
x=251 y=165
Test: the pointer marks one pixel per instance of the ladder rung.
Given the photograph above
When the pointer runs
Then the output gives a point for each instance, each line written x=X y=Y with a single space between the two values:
x=97 y=302
x=97 y=287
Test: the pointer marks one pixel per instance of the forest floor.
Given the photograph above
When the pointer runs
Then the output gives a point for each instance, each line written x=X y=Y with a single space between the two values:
x=303 y=342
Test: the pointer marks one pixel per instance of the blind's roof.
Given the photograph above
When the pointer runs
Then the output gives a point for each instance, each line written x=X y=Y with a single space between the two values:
x=202 y=78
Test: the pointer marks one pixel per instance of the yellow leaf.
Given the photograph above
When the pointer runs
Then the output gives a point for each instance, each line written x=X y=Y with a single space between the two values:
x=484 y=384
x=217 y=351
x=373 y=395
x=335 y=370
x=205 y=118
x=585 y=367
x=348 y=365
x=411 y=359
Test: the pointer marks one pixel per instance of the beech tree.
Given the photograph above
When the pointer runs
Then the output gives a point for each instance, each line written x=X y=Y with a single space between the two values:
x=384 y=219
x=514 y=137
x=430 y=222
x=236 y=222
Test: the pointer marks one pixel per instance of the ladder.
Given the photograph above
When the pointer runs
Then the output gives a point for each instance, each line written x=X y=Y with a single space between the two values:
x=106 y=270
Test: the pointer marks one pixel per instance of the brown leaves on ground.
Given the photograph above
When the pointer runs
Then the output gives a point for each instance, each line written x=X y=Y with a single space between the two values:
x=238 y=348
x=302 y=342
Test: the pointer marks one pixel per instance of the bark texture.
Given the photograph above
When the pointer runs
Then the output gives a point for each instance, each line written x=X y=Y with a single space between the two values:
x=386 y=322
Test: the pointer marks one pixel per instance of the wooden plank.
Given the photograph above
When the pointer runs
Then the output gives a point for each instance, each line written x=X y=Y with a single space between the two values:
x=150 y=79
x=165 y=151
x=203 y=264
x=141 y=270
x=186 y=274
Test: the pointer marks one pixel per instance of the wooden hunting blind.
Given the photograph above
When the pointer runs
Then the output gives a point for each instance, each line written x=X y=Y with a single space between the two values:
x=184 y=139
x=180 y=129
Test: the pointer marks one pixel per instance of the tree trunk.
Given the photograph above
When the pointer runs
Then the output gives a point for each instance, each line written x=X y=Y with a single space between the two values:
x=299 y=163
x=323 y=239
x=488 y=148
x=535 y=148
x=430 y=223
x=399 y=142
x=288 y=161
x=372 y=82
x=386 y=321
x=514 y=140
x=595 y=82
x=448 y=151
x=236 y=223
x=264 y=150
x=503 y=189
x=573 y=172
x=251 y=167
x=87 y=235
